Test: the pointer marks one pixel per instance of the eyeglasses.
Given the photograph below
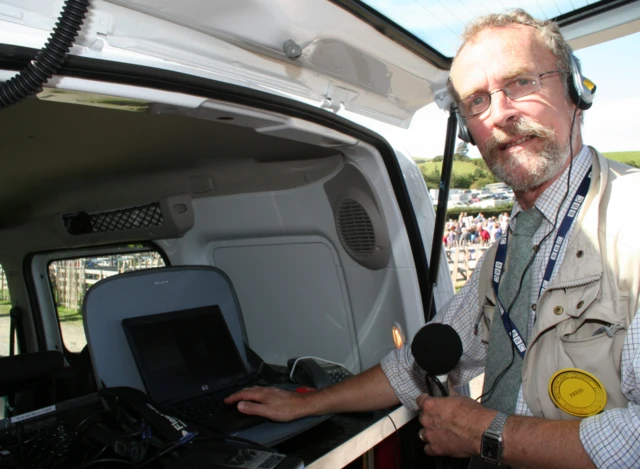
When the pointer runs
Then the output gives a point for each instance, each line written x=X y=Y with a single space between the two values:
x=517 y=88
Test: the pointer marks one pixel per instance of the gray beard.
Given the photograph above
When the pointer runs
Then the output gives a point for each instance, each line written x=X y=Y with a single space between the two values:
x=525 y=170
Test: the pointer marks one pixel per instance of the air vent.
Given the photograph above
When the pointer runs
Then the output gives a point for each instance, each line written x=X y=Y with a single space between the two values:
x=355 y=228
x=117 y=220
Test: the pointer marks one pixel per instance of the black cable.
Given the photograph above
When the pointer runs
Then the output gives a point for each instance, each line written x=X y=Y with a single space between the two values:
x=77 y=434
x=222 y=437
x=87 y=419
x=19 y=435
x=441 y=388
x=50 y=461
x=396 y=447
x=237 y=439
x=97 y=455
x=107 y=461
x=489 y=393
x=47 y=62
x=167 y=450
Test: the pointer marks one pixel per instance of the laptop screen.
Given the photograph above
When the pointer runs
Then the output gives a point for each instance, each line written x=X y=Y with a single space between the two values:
x=184 y=354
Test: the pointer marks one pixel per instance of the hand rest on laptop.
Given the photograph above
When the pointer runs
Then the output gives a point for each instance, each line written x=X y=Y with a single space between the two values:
x=188 y=357
x=211 y=412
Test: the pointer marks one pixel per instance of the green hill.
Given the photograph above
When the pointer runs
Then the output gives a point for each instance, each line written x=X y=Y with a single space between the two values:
x=629 y=157
x=459 y=167
x=464 y=168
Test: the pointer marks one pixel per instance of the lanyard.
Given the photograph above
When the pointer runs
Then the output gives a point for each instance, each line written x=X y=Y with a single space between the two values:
x=501 y=254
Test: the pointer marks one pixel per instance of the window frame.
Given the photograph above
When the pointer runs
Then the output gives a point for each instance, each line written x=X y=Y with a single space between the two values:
x=46 y=318
x=7 y=352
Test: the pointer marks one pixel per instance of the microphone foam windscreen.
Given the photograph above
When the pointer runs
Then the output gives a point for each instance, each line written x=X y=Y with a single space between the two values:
x=437 y=348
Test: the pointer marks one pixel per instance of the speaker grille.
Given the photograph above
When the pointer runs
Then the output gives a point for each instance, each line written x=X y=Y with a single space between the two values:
x=355 y=228
x=119 y=220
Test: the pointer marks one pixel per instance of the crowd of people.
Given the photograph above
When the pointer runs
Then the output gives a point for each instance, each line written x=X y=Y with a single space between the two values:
x=477 y=230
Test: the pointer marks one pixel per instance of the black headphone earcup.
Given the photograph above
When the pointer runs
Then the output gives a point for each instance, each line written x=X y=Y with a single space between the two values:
x=581 y=89
x=463 y=131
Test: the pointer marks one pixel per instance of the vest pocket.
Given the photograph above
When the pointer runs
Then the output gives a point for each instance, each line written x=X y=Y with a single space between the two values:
x=589 y=332
x=482 y=325
x=596 y=347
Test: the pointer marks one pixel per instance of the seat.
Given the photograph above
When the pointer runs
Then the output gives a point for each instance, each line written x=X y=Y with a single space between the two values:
x=83 y=381
x=29 y=379
x=146 y=292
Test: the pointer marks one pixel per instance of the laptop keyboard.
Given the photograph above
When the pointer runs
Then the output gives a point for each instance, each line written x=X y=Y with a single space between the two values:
x=206 y=407
x=211 y=411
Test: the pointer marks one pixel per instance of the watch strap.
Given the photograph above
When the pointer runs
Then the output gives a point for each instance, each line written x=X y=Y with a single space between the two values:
x=492 y=446
x=497 y=424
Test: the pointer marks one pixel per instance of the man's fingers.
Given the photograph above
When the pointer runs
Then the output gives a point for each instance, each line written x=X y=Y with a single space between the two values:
x=246 y=394
x=272 y=403
x=250 y=408
x=429 y=450
x=422 y=398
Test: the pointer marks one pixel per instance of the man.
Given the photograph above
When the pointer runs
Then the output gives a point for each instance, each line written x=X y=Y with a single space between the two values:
x=583 y=317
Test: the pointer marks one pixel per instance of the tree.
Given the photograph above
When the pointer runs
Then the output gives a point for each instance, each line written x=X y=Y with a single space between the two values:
x=461 y=181
x=432 y=179
x=479 y=162
x=463 y=150
x=480 y=183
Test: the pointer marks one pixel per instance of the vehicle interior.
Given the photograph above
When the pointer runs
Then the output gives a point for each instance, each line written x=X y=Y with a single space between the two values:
x=273 y=204
x=289 y=210
x=322 y=228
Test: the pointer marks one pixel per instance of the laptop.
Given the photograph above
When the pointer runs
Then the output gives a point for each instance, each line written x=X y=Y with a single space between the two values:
x=189 y=362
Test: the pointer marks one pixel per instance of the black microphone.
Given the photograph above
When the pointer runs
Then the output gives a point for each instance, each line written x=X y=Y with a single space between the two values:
x=437 y=348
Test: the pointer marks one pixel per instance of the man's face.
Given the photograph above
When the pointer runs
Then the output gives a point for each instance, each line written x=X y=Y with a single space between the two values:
x=525 y=142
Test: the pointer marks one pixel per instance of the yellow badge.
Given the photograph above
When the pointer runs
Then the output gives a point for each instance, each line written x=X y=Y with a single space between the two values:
x=577 y=392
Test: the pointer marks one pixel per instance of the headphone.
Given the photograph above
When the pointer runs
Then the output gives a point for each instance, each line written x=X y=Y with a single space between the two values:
x=581 y=90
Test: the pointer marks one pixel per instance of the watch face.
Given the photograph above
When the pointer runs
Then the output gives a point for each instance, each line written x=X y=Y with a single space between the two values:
x=490 y=448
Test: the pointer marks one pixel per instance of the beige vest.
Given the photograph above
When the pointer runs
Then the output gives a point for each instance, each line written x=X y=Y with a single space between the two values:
x=598 y=284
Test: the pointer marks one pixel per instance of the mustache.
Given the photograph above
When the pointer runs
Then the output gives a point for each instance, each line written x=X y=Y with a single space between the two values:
x=522 y=127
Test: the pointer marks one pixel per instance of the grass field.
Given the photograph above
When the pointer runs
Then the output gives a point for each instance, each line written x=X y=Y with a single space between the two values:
x=463 y=168
x=459 y=167
x=64 y=313
x=625 y=156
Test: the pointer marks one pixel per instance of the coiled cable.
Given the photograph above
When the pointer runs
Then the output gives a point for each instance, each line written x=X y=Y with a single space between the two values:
x=47 y=62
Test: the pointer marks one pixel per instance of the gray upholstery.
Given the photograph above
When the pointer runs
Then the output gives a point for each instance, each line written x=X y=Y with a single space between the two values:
x=143 y=293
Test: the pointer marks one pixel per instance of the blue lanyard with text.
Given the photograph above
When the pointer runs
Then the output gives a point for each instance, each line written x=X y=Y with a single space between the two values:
x=501 y=254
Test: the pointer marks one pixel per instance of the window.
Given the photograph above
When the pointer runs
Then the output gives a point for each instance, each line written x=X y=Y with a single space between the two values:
x=70 y=280
x=5 y=321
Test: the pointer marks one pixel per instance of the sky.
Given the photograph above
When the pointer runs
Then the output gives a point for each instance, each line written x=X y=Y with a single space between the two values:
x=439 y=23
x=611 y=125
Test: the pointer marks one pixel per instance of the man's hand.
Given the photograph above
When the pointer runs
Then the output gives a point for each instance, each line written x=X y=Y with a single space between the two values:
x=273 y=403
x=453 y=426
x=369 y=390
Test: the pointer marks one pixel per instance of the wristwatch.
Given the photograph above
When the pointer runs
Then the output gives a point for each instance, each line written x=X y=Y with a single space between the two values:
x=492 y=445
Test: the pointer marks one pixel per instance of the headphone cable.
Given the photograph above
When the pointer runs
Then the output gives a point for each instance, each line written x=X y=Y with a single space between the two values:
x=489 y=393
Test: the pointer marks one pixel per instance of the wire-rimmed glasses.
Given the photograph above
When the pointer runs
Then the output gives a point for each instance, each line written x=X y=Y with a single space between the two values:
x=519 y=87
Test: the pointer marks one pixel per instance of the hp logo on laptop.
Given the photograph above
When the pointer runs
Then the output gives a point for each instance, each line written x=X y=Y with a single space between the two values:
x=205 y=387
